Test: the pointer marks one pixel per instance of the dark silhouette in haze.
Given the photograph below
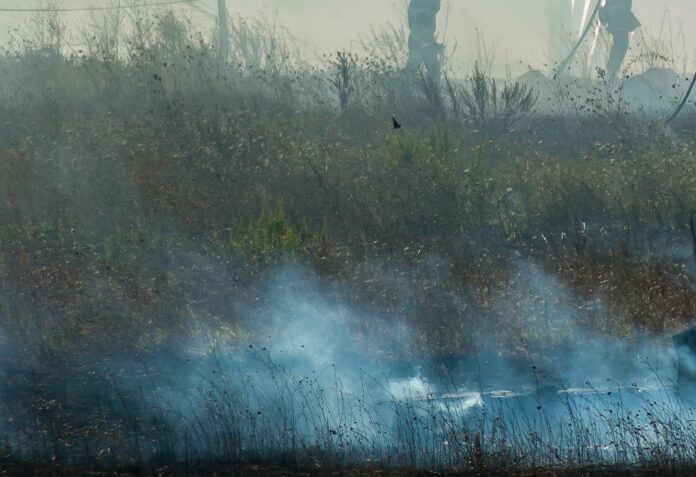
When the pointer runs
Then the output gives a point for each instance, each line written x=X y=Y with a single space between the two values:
x=423 y=47
x=618 y=17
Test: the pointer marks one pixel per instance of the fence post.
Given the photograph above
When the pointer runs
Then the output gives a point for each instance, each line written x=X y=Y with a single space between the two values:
x=224 y=36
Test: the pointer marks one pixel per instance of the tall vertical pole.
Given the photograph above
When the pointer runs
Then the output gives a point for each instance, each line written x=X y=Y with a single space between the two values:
x=224 y=34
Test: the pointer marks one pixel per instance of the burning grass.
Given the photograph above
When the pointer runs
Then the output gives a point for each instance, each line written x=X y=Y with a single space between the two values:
x=155 y=208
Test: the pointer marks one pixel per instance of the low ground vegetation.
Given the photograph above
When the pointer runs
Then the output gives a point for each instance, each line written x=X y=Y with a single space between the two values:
x=148 y=186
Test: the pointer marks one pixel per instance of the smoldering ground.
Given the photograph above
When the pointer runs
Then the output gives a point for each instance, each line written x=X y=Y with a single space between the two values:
x=316 y=374
x=216 y=264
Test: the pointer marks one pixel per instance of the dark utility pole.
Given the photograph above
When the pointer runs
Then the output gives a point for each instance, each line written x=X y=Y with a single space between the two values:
x=224 y=33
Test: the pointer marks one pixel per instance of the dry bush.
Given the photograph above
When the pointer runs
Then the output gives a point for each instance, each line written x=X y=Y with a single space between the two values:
x=489 y=111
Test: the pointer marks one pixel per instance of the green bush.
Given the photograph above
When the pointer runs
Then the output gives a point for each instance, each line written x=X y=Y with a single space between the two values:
x=272 y=237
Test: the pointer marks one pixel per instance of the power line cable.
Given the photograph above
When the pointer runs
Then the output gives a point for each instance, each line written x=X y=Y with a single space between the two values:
x=94 y=9
x=207 y=11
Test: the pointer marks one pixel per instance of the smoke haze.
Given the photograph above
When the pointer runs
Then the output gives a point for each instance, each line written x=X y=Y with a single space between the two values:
x=518 y=32
x=216 y=256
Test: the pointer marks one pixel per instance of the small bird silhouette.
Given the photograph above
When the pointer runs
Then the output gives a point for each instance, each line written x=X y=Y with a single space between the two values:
x=395 y=124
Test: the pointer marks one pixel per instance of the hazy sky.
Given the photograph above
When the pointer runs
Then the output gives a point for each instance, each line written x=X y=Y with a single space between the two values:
x=517 y=28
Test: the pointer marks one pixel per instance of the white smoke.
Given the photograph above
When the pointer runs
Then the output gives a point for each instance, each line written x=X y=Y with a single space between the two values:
x=585 y=13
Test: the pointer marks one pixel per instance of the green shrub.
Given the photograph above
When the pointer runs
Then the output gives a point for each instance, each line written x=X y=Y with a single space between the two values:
x=272 y=237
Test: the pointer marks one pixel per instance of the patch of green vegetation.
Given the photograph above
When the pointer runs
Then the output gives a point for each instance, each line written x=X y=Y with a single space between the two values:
x=271 y=237
x=439 y=144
